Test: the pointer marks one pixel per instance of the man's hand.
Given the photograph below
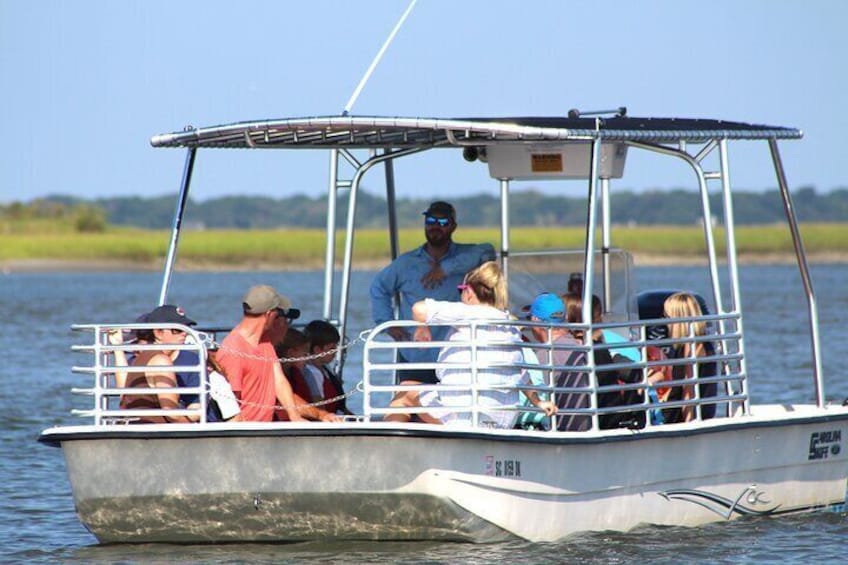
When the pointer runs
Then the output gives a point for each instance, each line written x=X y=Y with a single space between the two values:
x=398 y=333
x=330 y=417
x=434 y=278
x=294 y=416
x=422 y=333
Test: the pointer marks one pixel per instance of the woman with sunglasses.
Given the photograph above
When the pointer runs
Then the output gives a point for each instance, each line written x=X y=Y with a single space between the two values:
x=160 y=363
x=482 y=297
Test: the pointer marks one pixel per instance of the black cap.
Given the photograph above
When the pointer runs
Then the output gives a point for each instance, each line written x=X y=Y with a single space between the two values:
x=169 y=314
x=132 y=335
x=441 y=208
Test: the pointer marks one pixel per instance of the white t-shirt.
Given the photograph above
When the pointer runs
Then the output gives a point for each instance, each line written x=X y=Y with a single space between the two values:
x=446 y=312
x=222 y=393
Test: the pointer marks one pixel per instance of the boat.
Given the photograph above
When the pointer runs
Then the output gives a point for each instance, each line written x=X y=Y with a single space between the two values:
x=478 y=483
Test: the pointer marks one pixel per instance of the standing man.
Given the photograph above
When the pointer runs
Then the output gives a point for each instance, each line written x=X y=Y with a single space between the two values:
x=431 y=271
x=250 y=363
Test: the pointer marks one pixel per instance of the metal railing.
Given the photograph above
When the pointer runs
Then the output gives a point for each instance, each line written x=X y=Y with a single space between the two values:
x=380 y=370
x=107 y=372
x=730 y=399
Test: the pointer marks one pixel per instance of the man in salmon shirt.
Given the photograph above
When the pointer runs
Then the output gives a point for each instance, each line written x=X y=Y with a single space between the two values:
x=248 y=358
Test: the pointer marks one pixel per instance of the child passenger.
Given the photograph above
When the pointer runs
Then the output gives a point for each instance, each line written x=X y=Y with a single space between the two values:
x=324 y=341
x=293 y=349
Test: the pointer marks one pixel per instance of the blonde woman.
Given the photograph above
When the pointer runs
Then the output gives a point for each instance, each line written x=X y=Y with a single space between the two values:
x=482 y=297
x=684 y=305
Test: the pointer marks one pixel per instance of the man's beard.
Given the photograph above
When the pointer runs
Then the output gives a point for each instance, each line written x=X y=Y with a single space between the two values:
x=437 y=238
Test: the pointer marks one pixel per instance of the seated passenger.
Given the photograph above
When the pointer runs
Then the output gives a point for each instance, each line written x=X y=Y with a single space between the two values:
x=609 y=336
x=160 y=363
x=483 y=297
x=221 y=405
x=126 y=337
x=575 y=287
x=550 y=308
x=684 y=305
x=324 y=341
x=532 y=420
x=247 y=355
x=655 y=375
x=292 y=351
x=223 y=402
x=603 y=356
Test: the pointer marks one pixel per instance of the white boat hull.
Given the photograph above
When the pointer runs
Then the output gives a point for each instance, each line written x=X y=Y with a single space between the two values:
x=177 y=483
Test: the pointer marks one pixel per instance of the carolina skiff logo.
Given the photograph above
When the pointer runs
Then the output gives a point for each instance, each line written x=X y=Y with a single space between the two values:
x=503 y=467
x=751 y=496
x=825 y=444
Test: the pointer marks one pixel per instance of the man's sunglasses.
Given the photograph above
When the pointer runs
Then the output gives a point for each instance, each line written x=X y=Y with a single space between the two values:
x=432 y=221
x=290 y=314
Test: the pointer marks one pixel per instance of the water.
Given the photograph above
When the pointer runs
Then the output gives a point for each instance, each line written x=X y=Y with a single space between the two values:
x=37 y=520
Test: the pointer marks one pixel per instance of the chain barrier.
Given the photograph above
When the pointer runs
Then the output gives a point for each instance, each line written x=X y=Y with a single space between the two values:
x=316 y=404
x=208 y=342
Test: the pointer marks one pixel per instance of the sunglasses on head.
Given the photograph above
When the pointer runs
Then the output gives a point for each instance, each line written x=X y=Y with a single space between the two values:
x=463 y=286
x=289 y=314
x=433 y=220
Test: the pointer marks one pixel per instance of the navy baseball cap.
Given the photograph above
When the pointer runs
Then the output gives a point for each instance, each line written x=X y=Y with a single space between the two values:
x=442 y=209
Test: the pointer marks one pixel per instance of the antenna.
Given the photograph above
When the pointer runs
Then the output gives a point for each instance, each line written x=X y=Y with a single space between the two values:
x=376 y=60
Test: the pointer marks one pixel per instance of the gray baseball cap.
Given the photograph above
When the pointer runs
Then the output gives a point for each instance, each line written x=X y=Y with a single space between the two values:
x=264 y=298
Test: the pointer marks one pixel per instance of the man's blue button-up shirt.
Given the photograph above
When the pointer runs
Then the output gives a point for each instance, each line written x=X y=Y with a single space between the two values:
x=404 y=276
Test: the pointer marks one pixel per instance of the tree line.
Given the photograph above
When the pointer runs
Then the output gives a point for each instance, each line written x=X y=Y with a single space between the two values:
x=527 y=208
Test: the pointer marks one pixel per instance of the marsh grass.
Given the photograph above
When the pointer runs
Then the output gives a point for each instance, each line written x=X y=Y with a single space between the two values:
x=306 y=248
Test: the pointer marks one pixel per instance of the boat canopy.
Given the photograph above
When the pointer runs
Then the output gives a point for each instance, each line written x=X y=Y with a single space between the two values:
x=588 y=145
x=367 y=132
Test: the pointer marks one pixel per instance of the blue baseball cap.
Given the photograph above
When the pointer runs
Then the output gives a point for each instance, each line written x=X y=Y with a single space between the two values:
x=548 y=307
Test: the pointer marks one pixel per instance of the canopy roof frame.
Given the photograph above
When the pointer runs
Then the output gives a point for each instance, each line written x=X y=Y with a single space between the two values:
x=403 y=136
x=373 y=132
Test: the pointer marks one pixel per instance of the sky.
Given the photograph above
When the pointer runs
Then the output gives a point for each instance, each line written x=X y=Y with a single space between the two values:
x=86 y=84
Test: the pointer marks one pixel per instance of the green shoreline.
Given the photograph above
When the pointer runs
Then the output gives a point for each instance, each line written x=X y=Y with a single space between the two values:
x=300 y=249
x=64 y=265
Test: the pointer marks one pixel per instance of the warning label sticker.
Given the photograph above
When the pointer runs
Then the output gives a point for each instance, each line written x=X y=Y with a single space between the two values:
x=546 y=162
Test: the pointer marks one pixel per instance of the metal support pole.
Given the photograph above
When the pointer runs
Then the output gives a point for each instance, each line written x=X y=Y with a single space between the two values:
x=391 y=200
x=591 y=226
x=177 y=223
x=330 y=253
x=504 y=184
x=394 y=239
x=708 y=234
x=589 y=267
x=605 y=243
x=801 y=256
x=733 y=271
